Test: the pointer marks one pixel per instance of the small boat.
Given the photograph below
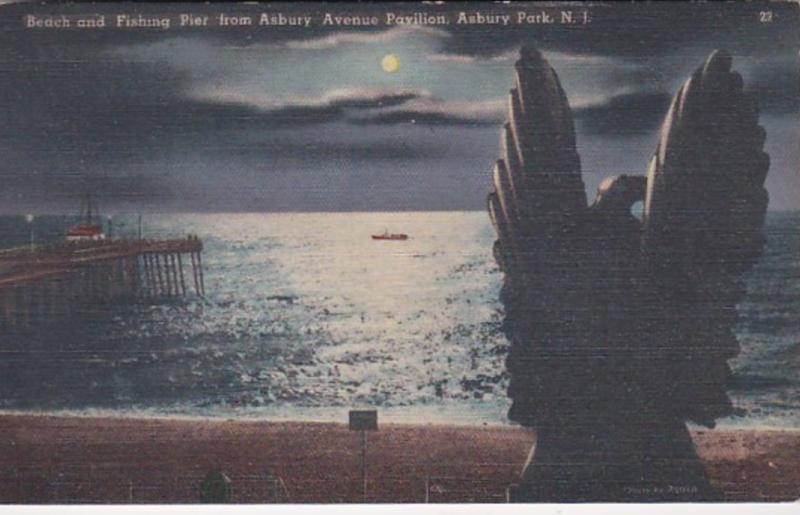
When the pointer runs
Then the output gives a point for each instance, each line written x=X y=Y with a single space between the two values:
x=88 y=230
x=387 y=236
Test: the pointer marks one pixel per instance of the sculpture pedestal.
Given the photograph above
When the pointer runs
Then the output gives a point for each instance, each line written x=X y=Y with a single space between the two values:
x=633 y=461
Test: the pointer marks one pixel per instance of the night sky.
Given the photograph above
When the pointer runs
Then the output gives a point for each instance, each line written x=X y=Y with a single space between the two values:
x=306 y=119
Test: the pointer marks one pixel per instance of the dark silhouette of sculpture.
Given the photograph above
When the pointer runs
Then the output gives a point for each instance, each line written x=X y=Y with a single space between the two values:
x=621 y=330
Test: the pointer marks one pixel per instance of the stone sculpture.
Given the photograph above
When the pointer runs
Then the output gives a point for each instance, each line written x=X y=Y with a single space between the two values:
x=621 y=329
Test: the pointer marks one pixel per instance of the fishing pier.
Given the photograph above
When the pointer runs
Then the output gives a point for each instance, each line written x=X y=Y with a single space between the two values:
x=49 y=282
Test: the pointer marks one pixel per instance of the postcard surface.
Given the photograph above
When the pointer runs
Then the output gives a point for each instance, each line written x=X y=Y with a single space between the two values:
x=399 y=253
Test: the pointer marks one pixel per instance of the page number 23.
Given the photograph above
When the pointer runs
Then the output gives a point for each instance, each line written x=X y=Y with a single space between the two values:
x=765 y=16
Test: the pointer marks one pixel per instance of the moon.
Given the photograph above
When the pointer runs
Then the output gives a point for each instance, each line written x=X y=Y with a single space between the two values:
x=390 y=63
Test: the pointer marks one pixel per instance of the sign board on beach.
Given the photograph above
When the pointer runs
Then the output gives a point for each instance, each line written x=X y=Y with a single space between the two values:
x=364 y=420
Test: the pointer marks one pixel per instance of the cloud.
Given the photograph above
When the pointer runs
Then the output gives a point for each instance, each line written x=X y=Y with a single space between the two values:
x=283 y=116
x=512 y=54
x=624 y=113
x=336 y=39
x=419 y=118
x=352 y=98
x=350 y=150
x=331 y=106
x=504 y=57
x=434 y=111
x=383 y=107
x=374 y=98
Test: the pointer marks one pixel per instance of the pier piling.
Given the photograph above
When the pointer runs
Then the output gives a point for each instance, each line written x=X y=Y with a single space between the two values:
x=51 y=282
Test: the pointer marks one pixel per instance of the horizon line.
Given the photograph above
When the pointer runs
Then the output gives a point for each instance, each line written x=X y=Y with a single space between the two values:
x=278 y=212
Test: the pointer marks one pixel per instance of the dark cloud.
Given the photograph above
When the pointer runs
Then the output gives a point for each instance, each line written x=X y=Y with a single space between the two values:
x=437 y=113
x=420 y=118
x=227 y=115
x=357 y=151
x=639 y=77
x=625 y=114
x=242 y=115
x=377 y=100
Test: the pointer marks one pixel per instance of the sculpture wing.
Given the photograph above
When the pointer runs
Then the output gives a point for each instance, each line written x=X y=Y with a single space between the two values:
x=537 y=180
x=703 y=217
x=539 y=195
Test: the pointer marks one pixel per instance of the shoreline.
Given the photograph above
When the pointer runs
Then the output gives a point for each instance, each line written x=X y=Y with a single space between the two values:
x=65 y=459
x=315 y=415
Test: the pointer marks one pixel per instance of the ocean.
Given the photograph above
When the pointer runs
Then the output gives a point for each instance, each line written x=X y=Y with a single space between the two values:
x=306 y=317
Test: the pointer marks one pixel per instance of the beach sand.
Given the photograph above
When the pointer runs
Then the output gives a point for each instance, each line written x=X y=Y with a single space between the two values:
x=48 y=459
